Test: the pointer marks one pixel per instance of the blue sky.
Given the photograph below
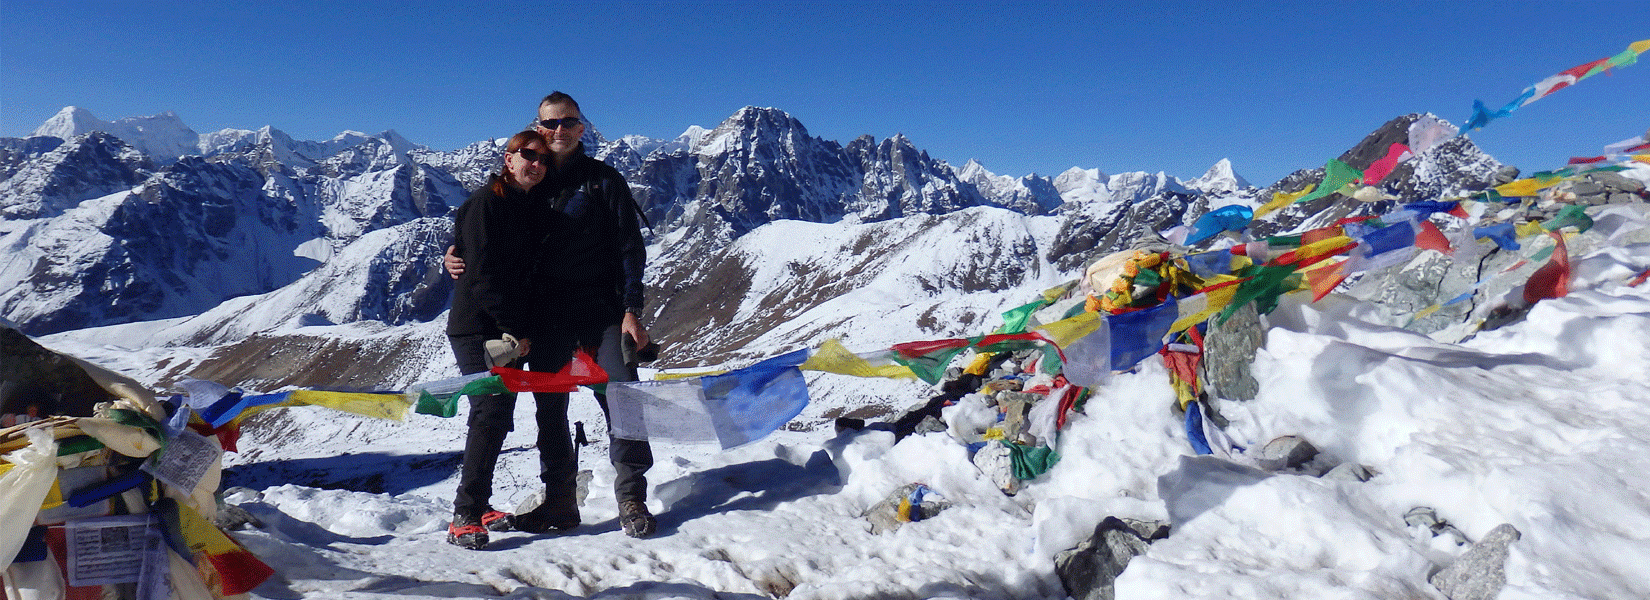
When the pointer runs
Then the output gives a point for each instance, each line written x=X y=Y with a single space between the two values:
x=1159 y=86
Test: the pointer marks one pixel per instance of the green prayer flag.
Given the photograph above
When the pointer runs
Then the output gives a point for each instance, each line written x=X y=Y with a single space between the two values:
x=1570 y=216
x=1014 y=320
x=444 y=406
x=1030 y=462
x=1263 y=289
x=1336 y=175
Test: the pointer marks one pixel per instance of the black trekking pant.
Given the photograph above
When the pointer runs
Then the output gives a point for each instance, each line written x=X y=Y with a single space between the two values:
x=492 y=418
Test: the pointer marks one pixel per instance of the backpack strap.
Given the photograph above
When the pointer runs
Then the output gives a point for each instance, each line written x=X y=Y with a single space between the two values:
x=634 y=205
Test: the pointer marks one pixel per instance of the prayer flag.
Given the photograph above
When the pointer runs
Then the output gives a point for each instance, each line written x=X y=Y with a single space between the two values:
x=1430 y=238
x=1138 y=334
x=833 y=357
x=1552 y=280
x=733 y=409
x=1378 y=171
x=1227 y=218
x=1281 y=199
x=1336 y=175
x=378 y=405
x=1501 y=233
x=581 y=370
x=1481 y=115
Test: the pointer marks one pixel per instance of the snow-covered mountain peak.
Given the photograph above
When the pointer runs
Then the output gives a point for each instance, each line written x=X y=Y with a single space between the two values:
x=69 y=122
x=747 y=126
x=1219 y=179
x=163 y=137
x=1081 y=185
x=692 y=135
x=973 y=170
x=1138 y=185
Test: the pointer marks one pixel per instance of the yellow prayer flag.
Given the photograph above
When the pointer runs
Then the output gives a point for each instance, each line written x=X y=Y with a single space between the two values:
x=392 y=407
x=1188 y=307
x=1066 y=331
x=1213 y=302
x=1639 y=47
x=1427 y=311
x=1321 y=247
x=981 y=364
x=1526 y=187
x=1281 y=199
x=1053 y=294
x=54 y=497
x=1528 y=228
x=833 y=357
x=201 y=535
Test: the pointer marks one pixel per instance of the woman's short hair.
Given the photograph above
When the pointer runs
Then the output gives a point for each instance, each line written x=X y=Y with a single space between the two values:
x=515 y=143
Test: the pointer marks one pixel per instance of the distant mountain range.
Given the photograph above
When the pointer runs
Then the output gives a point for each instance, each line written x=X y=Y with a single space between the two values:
x=764 y=237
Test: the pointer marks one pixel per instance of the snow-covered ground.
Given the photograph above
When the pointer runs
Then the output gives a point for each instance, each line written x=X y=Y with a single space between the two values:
x=1543 y=424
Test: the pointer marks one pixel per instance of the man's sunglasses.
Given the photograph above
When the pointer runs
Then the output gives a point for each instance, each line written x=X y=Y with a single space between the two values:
x=531 y=155
x=567 y=122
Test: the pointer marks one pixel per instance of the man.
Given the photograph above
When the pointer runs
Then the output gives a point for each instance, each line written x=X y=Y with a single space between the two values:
x=586 y=283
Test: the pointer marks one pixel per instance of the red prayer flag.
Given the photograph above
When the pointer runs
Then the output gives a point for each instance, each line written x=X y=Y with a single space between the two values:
x=582 y=370
x=1430 y=238
x=1321 y=234
x=1350 y=220
x=239 y=571
x=1378 y=171
x=1552 y=280
x=1324 y=280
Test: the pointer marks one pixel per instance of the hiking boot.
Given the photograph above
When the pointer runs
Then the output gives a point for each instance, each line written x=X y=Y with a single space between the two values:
x=498 y=521
x=466 y=532
x=636 y=520
x=545 y=520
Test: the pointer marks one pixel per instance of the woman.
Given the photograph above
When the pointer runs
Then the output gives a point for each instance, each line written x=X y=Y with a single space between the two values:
x=494 y=235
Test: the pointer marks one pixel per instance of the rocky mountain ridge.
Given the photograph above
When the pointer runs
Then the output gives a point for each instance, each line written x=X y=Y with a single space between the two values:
x=265 y=235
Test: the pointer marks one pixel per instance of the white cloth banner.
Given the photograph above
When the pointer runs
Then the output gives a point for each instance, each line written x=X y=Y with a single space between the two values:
x=659 y=410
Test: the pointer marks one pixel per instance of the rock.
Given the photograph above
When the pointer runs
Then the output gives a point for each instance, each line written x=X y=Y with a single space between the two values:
x=884 y=515
x=1586 y=188
x=1615 y=182
x=1229 y=351
x=1287 y=452
x=849 y=424
x=1426 y=518
x=1150 y=531
x=1624 y=198
x=1090 y=570
x=240 y=495
x=1349 y=472
x=1015 y=407
x=1003 y=384
x=234 y=518
x=1481 y=572
x=582 y=480
x=929 y=424
x=997 y=462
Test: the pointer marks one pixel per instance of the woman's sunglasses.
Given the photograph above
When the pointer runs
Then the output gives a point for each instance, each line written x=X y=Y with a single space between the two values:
x=531 y=155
